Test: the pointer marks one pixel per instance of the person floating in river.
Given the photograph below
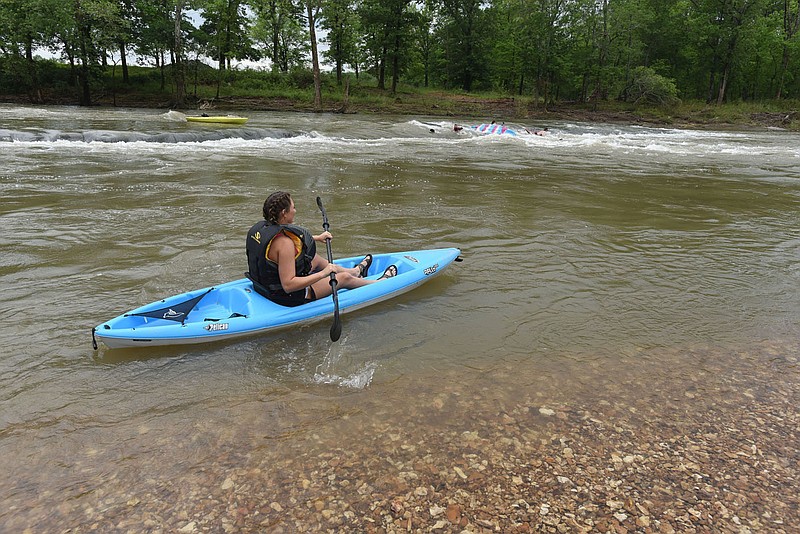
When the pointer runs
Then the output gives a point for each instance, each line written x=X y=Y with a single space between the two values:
x=544 y=131
x=284 y=265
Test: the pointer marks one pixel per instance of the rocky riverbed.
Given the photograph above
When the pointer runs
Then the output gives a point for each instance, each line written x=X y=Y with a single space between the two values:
x=709 y=446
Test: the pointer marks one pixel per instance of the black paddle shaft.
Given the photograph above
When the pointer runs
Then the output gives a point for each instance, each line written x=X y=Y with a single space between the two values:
x=336 y=327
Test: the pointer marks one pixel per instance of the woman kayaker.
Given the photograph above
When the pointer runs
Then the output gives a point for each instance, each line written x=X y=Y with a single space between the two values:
x=283 y=263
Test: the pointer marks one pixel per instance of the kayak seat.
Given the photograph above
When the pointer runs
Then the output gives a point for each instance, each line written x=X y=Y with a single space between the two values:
x=261 y=290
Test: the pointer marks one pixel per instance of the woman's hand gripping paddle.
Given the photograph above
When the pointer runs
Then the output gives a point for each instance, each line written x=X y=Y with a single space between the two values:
x=336 y=327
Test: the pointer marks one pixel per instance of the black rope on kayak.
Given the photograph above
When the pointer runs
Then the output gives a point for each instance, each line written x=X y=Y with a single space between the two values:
x=94 y=340
x=231 y=316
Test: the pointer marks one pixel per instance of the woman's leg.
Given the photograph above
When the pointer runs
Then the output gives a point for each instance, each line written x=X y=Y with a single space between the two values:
x=344 y=280
x=319 y=263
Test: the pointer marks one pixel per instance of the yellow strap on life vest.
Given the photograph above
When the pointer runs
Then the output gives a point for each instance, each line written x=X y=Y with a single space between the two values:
x=298 y=244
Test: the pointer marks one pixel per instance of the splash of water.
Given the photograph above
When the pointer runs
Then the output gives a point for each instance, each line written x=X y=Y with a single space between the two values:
x=329 y=372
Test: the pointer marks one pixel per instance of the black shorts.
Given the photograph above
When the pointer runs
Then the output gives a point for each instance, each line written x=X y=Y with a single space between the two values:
x=295 y=298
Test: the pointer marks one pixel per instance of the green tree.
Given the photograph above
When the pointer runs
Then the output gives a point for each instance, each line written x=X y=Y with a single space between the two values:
x=580 y=64
x=154 y=33
x=424 y=49
x=722 y=23
x=467 y=34
x=227 y=24
x=647 y=86
x=339 y=19
x=88 y=28
x=128 y=14
x=279 y=30
x=790 y=47
x=26 y=25
x=527 y=38
x=553 y=49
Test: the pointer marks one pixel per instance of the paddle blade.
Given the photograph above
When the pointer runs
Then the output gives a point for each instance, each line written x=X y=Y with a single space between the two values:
x=336 y=327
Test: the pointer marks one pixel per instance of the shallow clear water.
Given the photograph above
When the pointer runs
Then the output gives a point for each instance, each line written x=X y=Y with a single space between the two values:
x=596 y=251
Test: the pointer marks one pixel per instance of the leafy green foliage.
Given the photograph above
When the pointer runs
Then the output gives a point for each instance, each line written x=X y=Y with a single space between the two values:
x=643 y=52
x=649 y=87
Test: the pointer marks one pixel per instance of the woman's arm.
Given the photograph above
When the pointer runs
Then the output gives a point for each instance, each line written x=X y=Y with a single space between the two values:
x=323 y=236
x=284 y=252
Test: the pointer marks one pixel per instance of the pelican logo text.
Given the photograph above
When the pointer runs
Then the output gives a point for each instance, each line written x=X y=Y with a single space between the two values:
x=432 y=269
x=172 y=314
x=216 y=327
x=257 y=237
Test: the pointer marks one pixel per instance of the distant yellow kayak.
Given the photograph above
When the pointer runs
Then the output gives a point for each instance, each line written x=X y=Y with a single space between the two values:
x=222 y=119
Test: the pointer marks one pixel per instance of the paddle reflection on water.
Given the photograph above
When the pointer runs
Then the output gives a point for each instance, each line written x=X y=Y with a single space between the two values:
x=638 y=284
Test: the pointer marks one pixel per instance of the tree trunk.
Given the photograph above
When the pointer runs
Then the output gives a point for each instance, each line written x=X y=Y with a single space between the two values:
x=221 y=52
x=338 y=63
x=162 y=69
x=276 y=37
x=382 y=70
x=726 y=71
x=312 y=33
x=178 y=65
x=784 y=67
x=712 y=80
x=35 y=91
x=85 y=94
x=723 y=85
x=396 y=63
x=468 y=71
x=124 y=60
x=346 y=97
x=427 y=67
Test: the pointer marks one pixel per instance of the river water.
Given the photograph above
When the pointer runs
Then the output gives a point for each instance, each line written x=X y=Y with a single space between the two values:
x=597 y=258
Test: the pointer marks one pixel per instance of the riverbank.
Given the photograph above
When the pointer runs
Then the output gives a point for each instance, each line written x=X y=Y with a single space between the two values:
x=441 y=104
x=444 y=104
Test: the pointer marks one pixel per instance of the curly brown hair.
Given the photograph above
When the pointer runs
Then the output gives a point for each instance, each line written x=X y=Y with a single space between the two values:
x=275 y=204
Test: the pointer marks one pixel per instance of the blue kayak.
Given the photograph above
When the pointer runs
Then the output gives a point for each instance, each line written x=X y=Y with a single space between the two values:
x=497 y=129
x=234 y=309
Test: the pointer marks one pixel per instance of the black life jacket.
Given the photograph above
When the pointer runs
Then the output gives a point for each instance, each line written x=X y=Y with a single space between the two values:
x=264 y=271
